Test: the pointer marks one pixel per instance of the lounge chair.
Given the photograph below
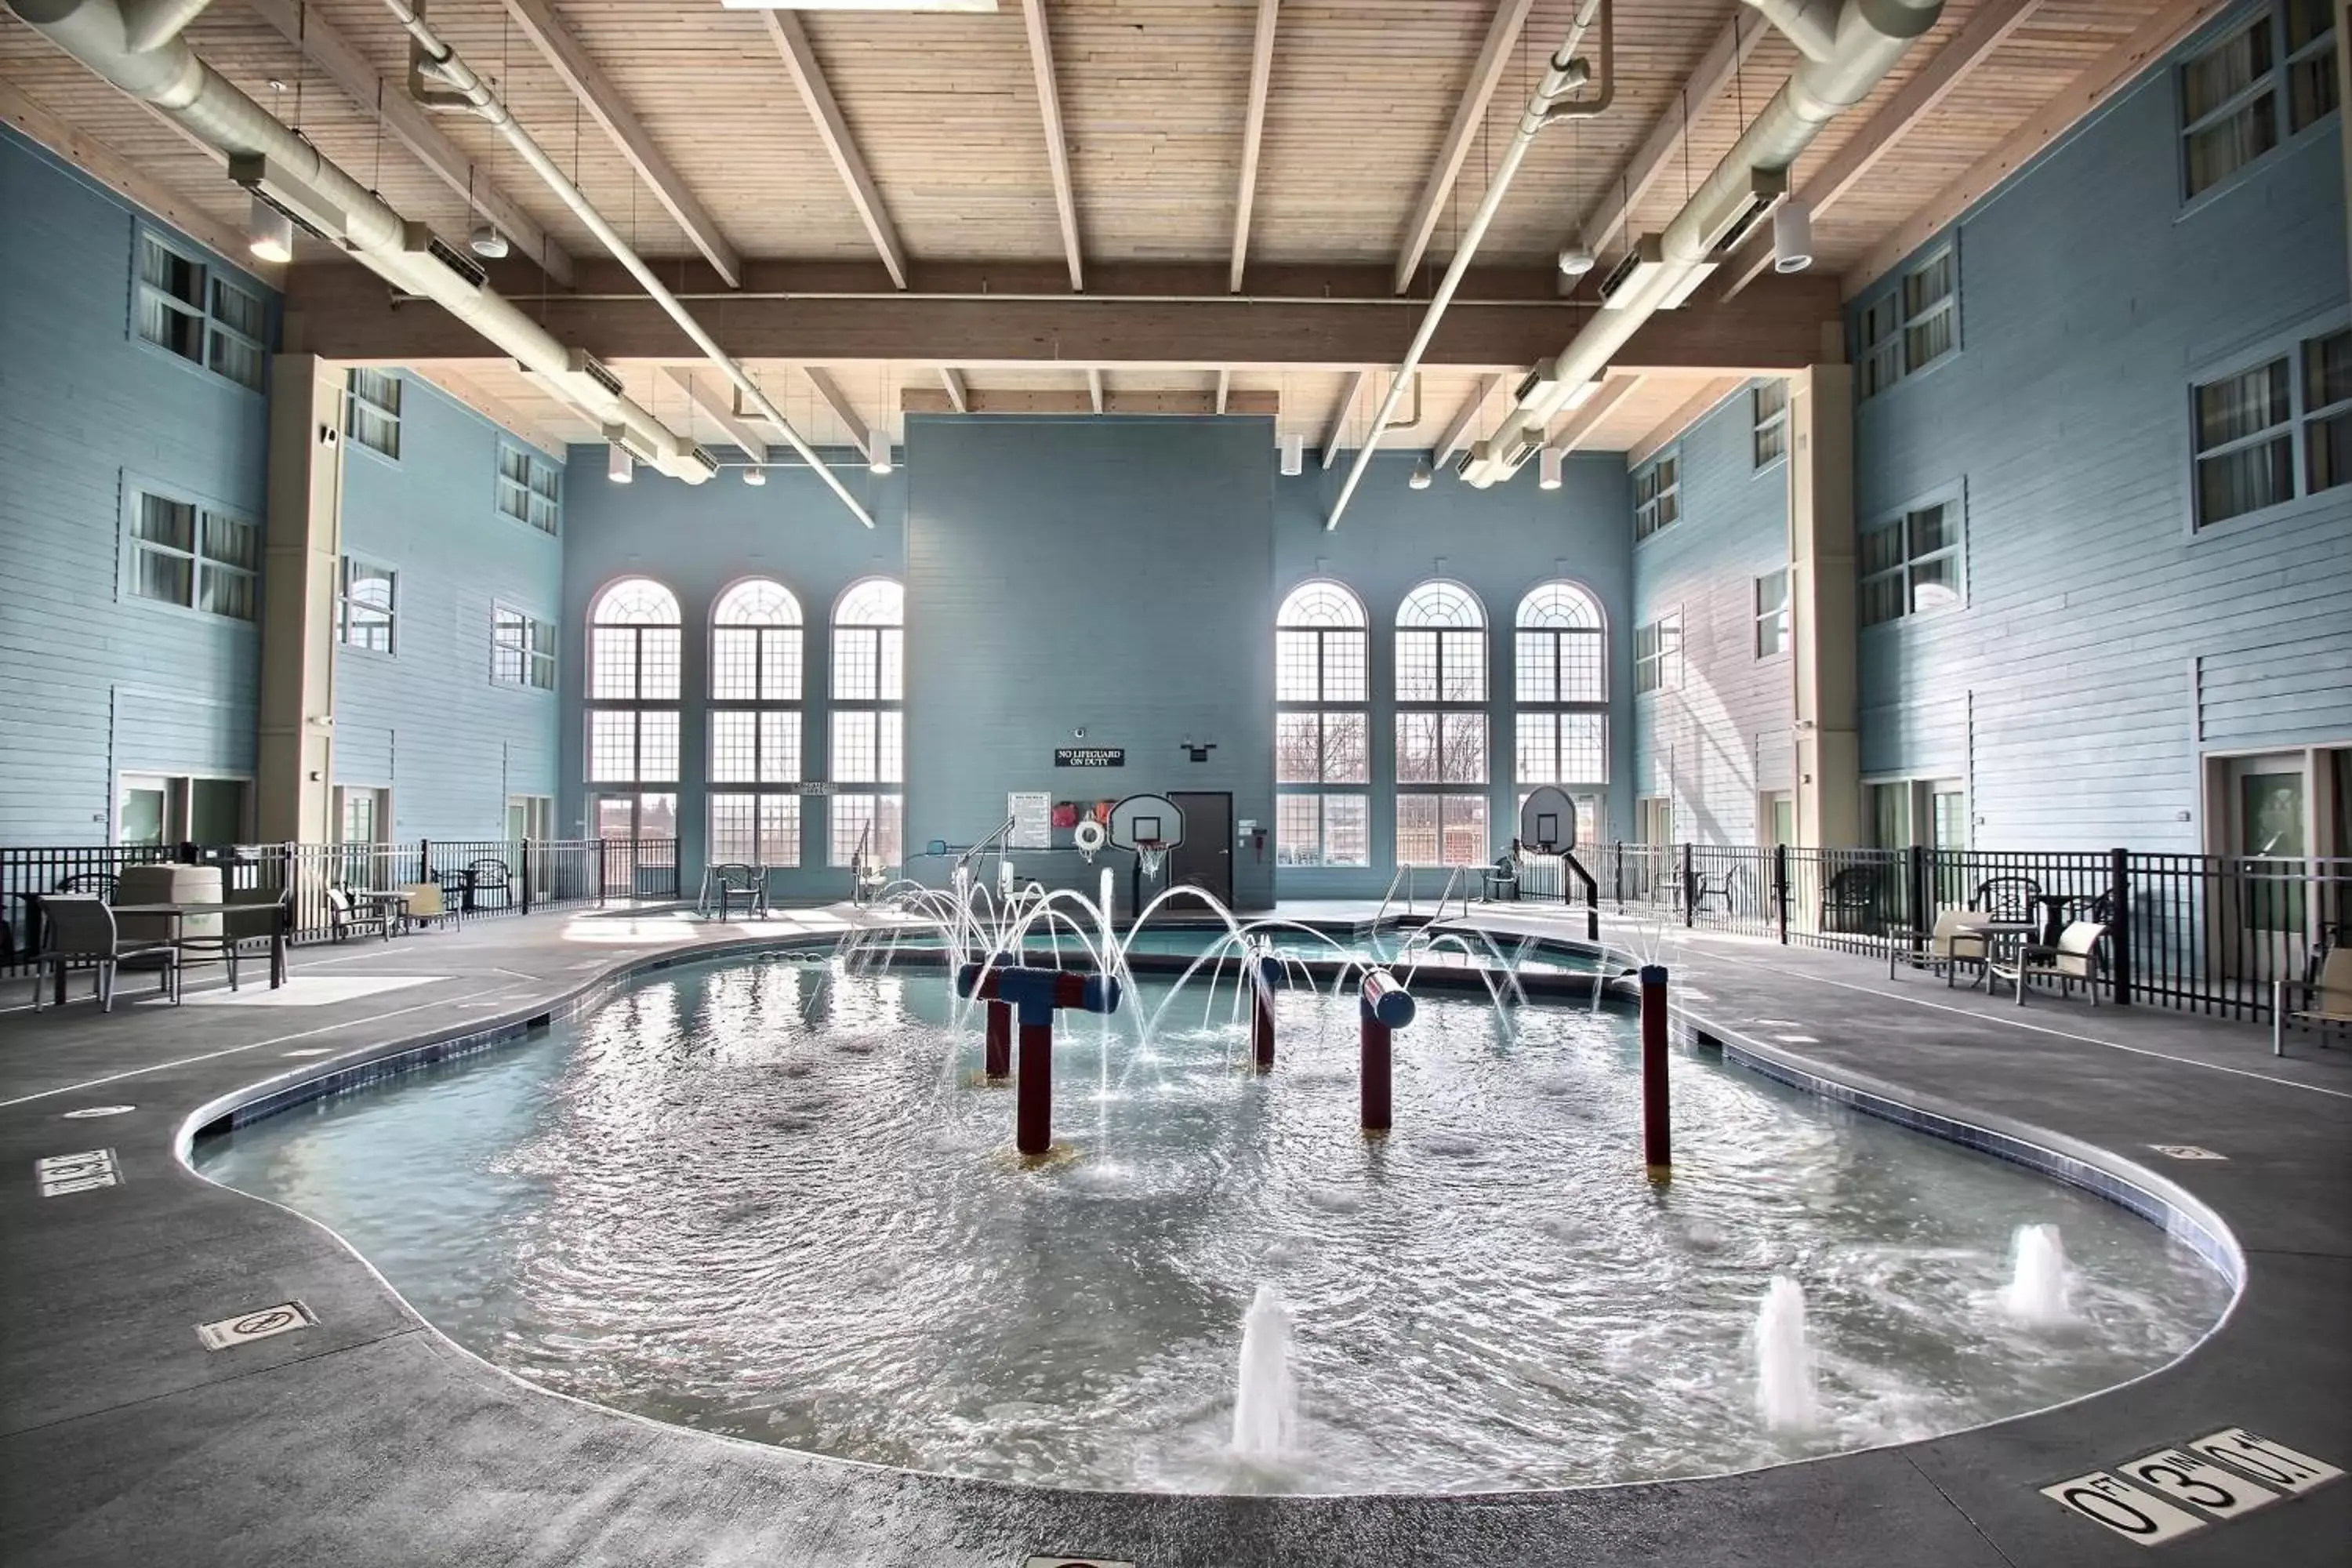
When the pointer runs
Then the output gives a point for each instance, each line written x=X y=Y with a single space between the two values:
x=78 y=930
x=425 y=906
x=1947 y=947
x=346 y=916
x=2075 y=958
x=2325 y=998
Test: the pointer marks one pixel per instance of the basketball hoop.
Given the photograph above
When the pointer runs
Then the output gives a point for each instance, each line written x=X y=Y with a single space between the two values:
x=1150 y=855
x=1089 y=838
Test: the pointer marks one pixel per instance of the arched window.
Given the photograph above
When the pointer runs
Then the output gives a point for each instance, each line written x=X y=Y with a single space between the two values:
x=1441 y=727
x=1561 y=682
x=635 y=638
x=1322 y=726
x=755 y=724
x=867 y=723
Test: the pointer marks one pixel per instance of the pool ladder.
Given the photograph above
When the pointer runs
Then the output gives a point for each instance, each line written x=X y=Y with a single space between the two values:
x=1457 y=886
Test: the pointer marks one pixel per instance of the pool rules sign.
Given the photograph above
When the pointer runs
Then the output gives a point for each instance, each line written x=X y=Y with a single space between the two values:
x=2178 y=1492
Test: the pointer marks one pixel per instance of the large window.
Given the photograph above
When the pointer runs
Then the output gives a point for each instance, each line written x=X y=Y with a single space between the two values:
x=372 y=410
x=2252 y=423
x=1441 y=727
x=755 y=723
x=189 y=308
x=635 y=640
x=1322 y=723
x=522 y=650
x=530 y=488
x=867 y=723
x=1562 y=680
x=2270 y=80
x=366 y=604
x=181 y=554
x=1912 y=322
x=1658 y=653
x=1658 y=494
x=1770 y=400
x=1772 y=614
x=1910 y=563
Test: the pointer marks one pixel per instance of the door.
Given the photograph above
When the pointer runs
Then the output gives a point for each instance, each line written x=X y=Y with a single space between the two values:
x=1206 y=858
x=2269 y=817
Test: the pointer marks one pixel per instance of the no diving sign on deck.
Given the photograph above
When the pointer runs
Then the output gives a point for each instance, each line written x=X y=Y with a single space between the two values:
x=2178 y=1492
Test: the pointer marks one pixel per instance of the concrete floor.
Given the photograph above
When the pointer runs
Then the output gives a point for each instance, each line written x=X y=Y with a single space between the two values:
x=368 y=1438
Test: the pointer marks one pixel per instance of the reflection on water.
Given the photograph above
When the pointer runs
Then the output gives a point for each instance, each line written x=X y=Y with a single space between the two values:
x=765 y=1199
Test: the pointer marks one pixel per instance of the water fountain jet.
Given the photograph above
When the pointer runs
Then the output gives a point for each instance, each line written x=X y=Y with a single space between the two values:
x=1266 y=1397
x=2038 y=1289
x=1784 y=1362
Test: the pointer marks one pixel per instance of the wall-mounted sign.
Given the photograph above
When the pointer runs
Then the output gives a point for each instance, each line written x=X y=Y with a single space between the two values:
x=1090 y=756
x=1032 y=819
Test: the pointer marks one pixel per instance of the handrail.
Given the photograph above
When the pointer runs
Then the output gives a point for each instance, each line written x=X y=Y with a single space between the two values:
x=1404 y=875
x=1591 y=894
x=973 y=851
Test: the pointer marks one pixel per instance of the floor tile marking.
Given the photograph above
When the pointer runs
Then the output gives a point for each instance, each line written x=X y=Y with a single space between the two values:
x=262 y=1323
x=2185 y=1151
x=2217 y=1477
x=2271 y=1462
x=2128 y=1511
x=2182 y=1477
x=90 y=1112
x=61 y=1173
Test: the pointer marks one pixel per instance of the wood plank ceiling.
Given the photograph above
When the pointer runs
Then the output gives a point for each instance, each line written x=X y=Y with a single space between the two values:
x=1153 y=95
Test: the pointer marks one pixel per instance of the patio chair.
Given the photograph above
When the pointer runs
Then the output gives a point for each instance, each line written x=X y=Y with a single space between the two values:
x=426 y=905
x=735 y=882
x=78 y=930
x=346 y=917
x=1850 y=902
x=2006 y=898
x=1724 y=889
x=2325 y=998
x=98 y=882
x=485 y=877
x=1946 y=948
x=2075 y=958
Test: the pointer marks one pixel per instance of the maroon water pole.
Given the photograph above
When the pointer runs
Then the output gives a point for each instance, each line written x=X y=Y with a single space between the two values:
x=1265 y=974
x=1385 y=1006
x=1037 y=994
x=1000 y=1030
x=1657 y=1152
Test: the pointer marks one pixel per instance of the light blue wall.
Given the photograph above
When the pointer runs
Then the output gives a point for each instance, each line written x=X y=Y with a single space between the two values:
x=699 y=541
x=100 y=682
x=1724 y=736
x=1498 y=543
x=2103 y=645
x=1108 y=575
x=427 y=721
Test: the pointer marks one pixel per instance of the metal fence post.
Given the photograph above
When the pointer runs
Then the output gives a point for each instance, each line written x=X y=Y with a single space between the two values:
x=1617 y=874
x=2119 y=943
x=1780 y=890
x=1690 y=888
x=526 y=876
x=425 y=860
x=1918 y=916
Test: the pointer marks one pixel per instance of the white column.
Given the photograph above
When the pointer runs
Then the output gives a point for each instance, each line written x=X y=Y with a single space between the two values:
x=1822 y=609
x=303 y=545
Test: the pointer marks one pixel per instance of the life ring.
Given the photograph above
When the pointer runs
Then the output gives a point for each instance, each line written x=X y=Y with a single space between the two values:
x=1089 y=836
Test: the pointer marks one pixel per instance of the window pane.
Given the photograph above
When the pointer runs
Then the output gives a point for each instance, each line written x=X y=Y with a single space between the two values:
x=1536 y=751
x=856 y=655
x=236 y=359
x=1882 y=548
x=734 y=746
x=157 y=575
x=612 y=746
x=2240 y=406
x=2310 y=89
x=2232 y=143
x=1298 y=830
x=1929 y=284
x=657 y=670
x=657 y=747
x=1464 y=736
x=1347 y=830
x=1346 y=678
x=891 y=741
x=1347 y=748
x=853 y=815
x=226 y=593
x=1298 y=748
x=1882 y=598
x=1463 y=664
x=1927 y=341
x=2225 y=71
x=780 y=829
x=894 y=664
x=734 y=664
x=780 y=748
x=159 y=267
x=168 y=523
x=612 y=663
x=853 y=758
x=167 y=326
x=1935 y=585
x=1416 y=667
x=2328 y=371
x=1535 y=674
x=2245 y=480
x=1930 y=530
x=1583 y=748
x=1417 y=735
x=1466 y=829
x=232 y=541
x=734 y=828
x=1416 y=833
x=779 y=664
x=1295 y=675
x=2327 y=451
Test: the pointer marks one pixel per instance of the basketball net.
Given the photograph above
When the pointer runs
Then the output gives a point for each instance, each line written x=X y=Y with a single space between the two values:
x=1150 y=855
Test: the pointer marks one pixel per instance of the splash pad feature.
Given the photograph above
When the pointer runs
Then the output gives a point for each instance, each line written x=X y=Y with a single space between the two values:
x=1657 y=1119
x=1385 y=1007
x=1037 y=994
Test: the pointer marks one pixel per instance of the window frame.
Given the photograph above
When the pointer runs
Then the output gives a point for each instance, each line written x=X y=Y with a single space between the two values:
x=1769 y=425
x=212 y=324
x=1952 y=499
x=505 y=486
x=356 y=399
x=1777 y=614
x=782 y=852
x=1559 y=708
x=888 y=796
x=530 y=656
x=1664 y=497
x=201 y=564
x=1660 y=668
x=635 y=705
x=1422 y=603
x=2290 y=345
x=2275 y=81
x=1343 y=691
x=345 y=624
x=1885 y=321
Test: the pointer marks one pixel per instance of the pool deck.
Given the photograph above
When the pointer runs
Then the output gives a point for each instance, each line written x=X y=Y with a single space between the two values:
x=368 y=1438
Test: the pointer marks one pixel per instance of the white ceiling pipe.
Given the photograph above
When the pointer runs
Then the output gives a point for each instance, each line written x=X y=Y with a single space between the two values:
x=1564 y=75
x=1856 y=54
x=453 y=72
x=197 y=98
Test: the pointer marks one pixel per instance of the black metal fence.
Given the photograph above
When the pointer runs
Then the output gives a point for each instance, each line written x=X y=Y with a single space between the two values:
x=475 y=877
x=2206 y=933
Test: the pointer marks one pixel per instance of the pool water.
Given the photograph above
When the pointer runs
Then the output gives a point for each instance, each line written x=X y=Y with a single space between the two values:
x=768 y=1199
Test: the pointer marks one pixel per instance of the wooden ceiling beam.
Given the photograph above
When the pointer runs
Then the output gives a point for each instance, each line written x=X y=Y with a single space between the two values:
x=1578 y=429
x=2118 y=68
x=1224 y=388
x=721 y=410
x=816 y=94
x=1465 y=424
x=830 y=391
x=1469 y=117
x=1694 y=409
x=1334 y=432
x=410 y=124
x=123 y=175
x=980 y=400
x=1660 y=152
x=1095 y=387
x=1775 y=325
x=1057 y=148
x=606 y=107
x=1253 y=136
x=1986 y=30
x=959 y=395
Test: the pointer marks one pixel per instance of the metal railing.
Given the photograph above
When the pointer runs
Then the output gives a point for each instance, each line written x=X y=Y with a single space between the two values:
x=2206 y=933
x=478 y=878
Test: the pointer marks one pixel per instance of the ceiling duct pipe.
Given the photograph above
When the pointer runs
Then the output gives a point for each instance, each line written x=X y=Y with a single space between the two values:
x=1566 y=74
x=286 y=172
x=442 y=63
x=1847 y=51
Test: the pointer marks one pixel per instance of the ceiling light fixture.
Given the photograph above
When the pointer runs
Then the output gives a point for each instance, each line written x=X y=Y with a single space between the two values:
x=880 y=464
x=269 y=232
x=755 y=475
x=1576 y=260
x=1294 y=454
x=1548 y=466
x=619 y=467
x=1793 y=236
x=488 y=242
x=1421 y=475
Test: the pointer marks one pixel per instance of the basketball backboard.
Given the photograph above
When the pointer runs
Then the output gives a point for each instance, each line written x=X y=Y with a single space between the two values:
x=1547 y=820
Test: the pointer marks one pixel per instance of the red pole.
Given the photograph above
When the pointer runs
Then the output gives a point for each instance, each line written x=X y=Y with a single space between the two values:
x=1262 y=1030
x=1373 y=1070
x=1000 y=1039
x=1032 y=1109
x=1657 y=1150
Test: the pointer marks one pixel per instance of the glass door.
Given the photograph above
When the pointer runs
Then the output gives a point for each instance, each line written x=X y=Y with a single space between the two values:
x=2270 y=823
